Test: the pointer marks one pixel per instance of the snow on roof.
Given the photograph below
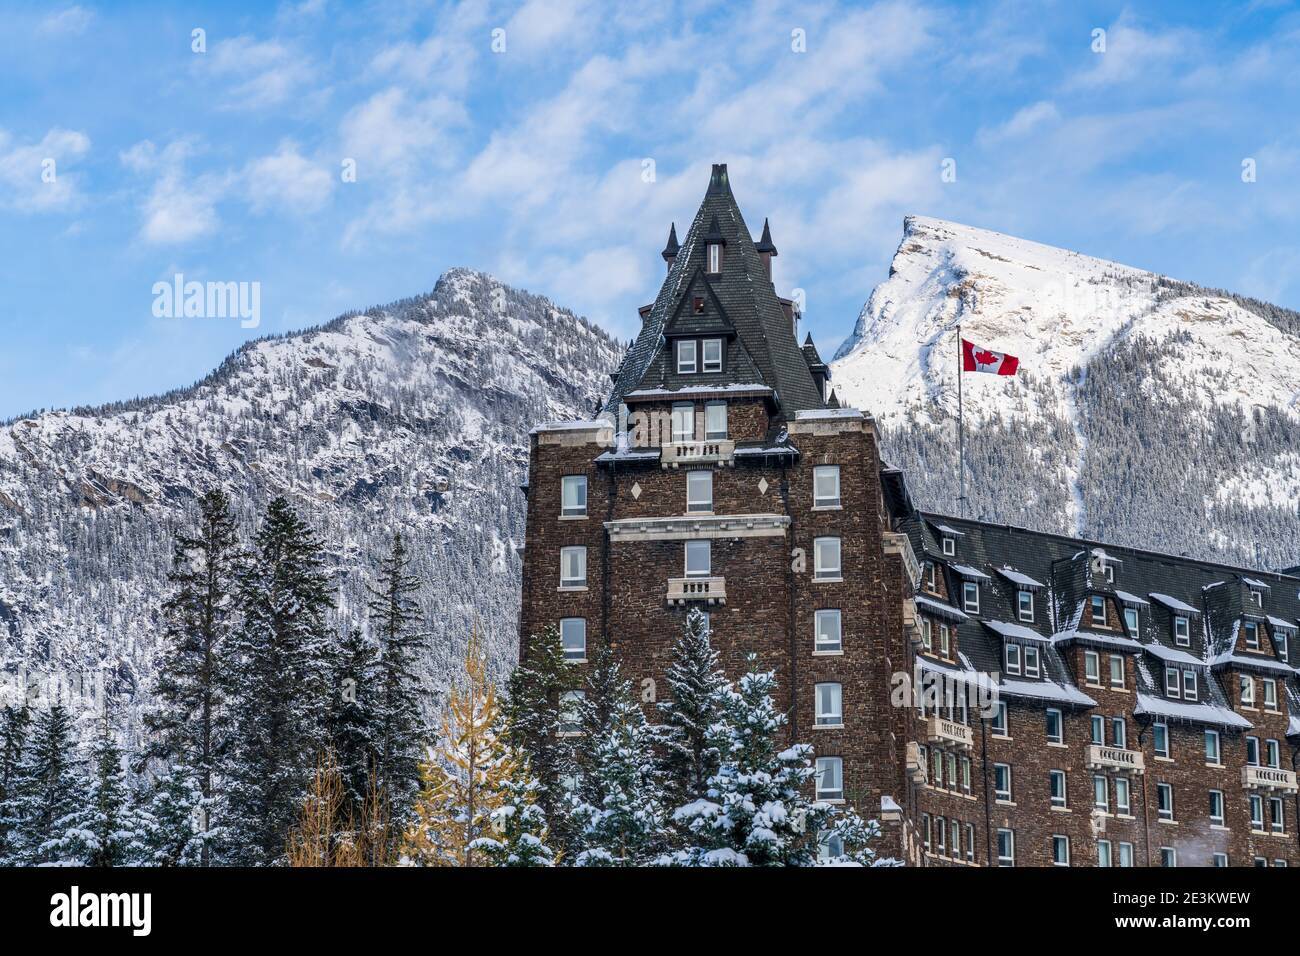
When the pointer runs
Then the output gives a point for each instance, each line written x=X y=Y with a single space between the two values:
x=966 y=571
x=1293 y=726
x=628 y=454
x=1255 y=583
x=1278 y=622
x=698 y=390
x=1046 y=690
x=1127 y=598
x=1173 y=603
x=1007 y=629
x=1230 y=656
x=940 y=608
x=888 y=803
x=1093 y=637
x=1179 y=710
x=767 y=450
x=571 y=426
x=1171 y=654
x=949 y=529
x=804 y=414
x=1016 y=577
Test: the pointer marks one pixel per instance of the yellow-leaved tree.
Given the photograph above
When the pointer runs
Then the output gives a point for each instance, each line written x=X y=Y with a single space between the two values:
x=465 y=778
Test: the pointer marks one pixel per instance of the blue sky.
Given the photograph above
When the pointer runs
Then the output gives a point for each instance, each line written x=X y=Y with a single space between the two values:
x=226 y=165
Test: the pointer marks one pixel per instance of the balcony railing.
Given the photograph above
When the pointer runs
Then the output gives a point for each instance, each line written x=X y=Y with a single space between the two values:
x=941 y=730
x=912 y=623
x=1268 y=778
x=711 y=590
x=721 y=451
x=1101 y=757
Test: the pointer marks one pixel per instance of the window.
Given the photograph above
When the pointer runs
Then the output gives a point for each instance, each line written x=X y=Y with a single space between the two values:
x=830 y=846
x=970 y=842
x=712 y=355
x=1270 y=693
x=1247 y=691
x=926 y=829
x=1256 y=812
x=1252 y=751
x=1118 y=733
x=697 y=304
x=715 y=257
x=1220 y=860
x=1122 y=806
x=573 y=567
x=927 y=634
x=1252 y=635
x=945 y=640
x=830 y=778
x=686 y=356
x=1103 y=853
x=830 y=711
x=827 y=636
x=1173 y=688
x=1000 y=720
x=699 y=559
x=1098 y=729
x=1054 y=726
x=1160 y=739
x=941 y=834
x=1092 y=667
x=1057 y=780
x=970 y=597
x=1216 y=807
x=1212 y=752
x=573 y=638
x=1031 y=662
x=1168 y=856
x=931 y=582
x=571 y=712
x=1280 y=642
x=1131 y=621
x=1165 y=801
x=573 y=500
x=1117 y=670
x=1257 y=597
x=1273 y=752
x=826 y=486
x=1013 y=658
x=1182 y=631
x=1060 y=850
x=965 y=775
x=955 y=829
x=1006 y=847
x=1190 y=691
x=1275 y=814
x=699 y=491
x=1099 y=611
x=1101 y=793
x=826 y=559
x=1002 y=781
x=1110 y=573
x=1025 y=603
x=715 y=420
x=949 y=547
x=1126 y=854
x=683 y=421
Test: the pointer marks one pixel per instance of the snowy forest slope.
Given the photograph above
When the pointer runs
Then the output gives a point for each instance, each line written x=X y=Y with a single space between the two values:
x=1148 y=411
x=411 y=417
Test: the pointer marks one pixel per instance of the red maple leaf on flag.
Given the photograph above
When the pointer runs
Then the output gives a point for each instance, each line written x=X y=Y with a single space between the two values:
x=985 y=357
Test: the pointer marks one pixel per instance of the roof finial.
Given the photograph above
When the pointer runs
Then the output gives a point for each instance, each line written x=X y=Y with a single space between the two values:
x=765 y=245
x=673 y=247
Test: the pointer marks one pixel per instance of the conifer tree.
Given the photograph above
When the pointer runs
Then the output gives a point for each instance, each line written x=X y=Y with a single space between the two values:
x=189 y=724
x=399 y=725
x=465 y=780
x=279 y=685
x=697 y=691
x=519 y=834
x=15 y=725
x=172 y=830
x=354 y=732
x=532 y=725
x=102 y=829
x=46 y=789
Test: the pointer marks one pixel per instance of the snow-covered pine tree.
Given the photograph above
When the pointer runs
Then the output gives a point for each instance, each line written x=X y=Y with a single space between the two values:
x=519 y=832
x=46 y=788
x=400 y=729
x=279 y=685
x=173 y=830
x=354 y=717
x=697 y=690
x=618 y=816
x=15 y=726
x=103 y=829
x=532 y=719
x=188 y=724
x=465 y=779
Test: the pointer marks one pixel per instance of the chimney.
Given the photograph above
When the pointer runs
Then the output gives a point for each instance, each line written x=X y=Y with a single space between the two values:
x=671 y=250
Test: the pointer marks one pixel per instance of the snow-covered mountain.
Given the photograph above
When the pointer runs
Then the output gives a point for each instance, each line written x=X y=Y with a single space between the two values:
x=414 y=416
x=1148 y=411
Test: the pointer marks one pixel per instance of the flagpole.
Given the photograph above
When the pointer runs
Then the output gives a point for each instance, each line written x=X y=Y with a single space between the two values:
x=961 y=432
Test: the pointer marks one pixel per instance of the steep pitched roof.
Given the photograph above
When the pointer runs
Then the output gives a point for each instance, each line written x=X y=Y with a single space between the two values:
x=744 y=292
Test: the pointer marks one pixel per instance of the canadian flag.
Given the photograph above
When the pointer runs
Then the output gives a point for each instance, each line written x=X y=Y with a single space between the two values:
x=976 y=359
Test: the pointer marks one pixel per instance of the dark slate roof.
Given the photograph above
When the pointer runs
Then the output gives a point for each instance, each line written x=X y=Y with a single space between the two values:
x=672 y=248
x=765 y=244
x=1152 y=583
x=748 y=301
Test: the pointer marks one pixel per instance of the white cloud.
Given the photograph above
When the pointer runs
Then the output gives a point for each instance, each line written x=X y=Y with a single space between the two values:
x=176 y=209
x=1025 y=120
x=1132 y=52
x=28 y=181
x=70 y=21
x=391 y=132
x=265 y=73
x=287 y=180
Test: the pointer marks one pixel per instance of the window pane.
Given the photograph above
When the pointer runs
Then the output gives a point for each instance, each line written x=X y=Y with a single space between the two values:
x=828 y=704
x=830 y=779
x=573 y=636
x=715 y=420
x=683 y=422
x=828 y=630
x=698 y=559
x=826 y=558
x=573 y=566
x=826 y=485
x=712 y=355
x=686 y=356
x=699 y=491
x=574 y=495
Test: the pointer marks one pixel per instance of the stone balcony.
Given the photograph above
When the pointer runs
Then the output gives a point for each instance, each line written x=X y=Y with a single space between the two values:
x=1268 y=778
x=1101 y=757
x=897 y=543
x=912 y=623
x=718 y=451
x=941 y=730
x=709 y=590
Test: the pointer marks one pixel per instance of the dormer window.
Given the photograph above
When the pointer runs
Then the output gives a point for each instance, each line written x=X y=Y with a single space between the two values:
x=1173 y=687
x=698 y=305
x=1110 y=573
x=715 y=257
x=1182 y=631
x=1031 y=662
x=1099 y=611
x=1252 y=635
x=949 y=547
x=1025 y=602
x=1013 y=658
x=1280 y=642
x=1131 y=621
x=970 y=597
x=712 y=355
x=686 y=357
x=1257 y=597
